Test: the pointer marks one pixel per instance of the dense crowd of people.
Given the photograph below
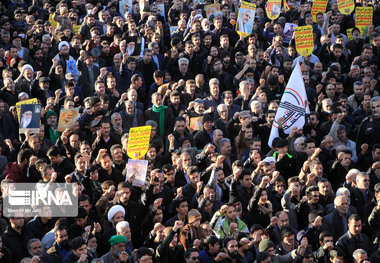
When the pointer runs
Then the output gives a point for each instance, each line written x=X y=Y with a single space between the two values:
x=215 y=191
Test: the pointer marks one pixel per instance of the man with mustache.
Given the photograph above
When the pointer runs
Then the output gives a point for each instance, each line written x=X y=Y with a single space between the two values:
x=60 y=247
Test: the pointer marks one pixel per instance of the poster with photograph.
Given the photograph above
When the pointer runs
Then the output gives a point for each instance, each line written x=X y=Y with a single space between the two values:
x=134 y=46
x=18 y=106
x=138 y=169
x=288 y=32
x=125 y=6
x=245 y=18
x=212 y=9
x=161 y=10
x=67 y=119
x=196 y=123
x=30 y=118
x=273 y=9
x=172 y=29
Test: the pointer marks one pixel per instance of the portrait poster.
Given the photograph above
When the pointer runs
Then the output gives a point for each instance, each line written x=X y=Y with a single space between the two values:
x=30 y=118
x=138 y=169
x=319 y=6
x=273 y=9
x=18 y=106
x=161 y=10
x=246 y=18
x=212 y=9
x=67 y=119
x=125 y=6
x=196 y=123
x=138 y=141
x=72 y=67
x=288 y=32
x=346 y=6
x=304 y=40
x=363 y=17
x=172 y=29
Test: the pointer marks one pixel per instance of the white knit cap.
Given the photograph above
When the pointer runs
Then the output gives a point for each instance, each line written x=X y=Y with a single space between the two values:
x=115 y=209
x=63 y=43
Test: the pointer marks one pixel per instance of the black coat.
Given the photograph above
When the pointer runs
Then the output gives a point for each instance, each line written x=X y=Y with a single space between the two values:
x=16 y=243
x=333 y=223
x=169 y=120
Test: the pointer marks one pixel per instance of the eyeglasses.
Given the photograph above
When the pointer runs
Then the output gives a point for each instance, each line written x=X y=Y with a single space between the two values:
x=195 y=258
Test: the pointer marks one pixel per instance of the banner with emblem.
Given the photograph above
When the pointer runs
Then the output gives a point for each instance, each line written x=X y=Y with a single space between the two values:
x=273 y=9
x=363 y=17
x=293 y=106
x=319 y=6
x=346 y=6
x=304 y=40
x=138 y=141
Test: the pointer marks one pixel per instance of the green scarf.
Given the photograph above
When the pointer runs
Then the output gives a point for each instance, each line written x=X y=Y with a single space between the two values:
x=161 y=110
x=54 y=135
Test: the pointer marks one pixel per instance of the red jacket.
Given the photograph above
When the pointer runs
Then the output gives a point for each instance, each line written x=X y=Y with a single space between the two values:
x=14 y=172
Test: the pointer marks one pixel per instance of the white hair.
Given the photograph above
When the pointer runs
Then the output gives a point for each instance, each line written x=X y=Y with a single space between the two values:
x=183 y=60
x=121 y=225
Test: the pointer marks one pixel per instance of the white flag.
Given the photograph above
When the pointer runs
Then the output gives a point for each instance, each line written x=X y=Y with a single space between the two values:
x=293 y=106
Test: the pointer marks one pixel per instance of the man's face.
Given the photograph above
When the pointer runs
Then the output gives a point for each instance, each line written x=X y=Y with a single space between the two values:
x=207 y=125
x=80 y=251
x=355 y=227
x=117 y=154
x=35 y=248
x=27 y=116
x=157 y=101
x=376 y=154
x=342 y=205
x=246 y=16
x=125 y=195
x=183 y=208
x=363 y=182
x=231 y=213
x=193 y=258
x=329 y=145
x=106 y=163
x=61 y=236
x=246 y=182
x=106 y=129
x=283 y=220
x=314 y=197
x=270 y=118
x=180 y=127
x=147 y=57
x=375 y=107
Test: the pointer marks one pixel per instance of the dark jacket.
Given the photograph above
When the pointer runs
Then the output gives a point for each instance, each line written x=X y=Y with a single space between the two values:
x=348 y=243
x=333 y=223
x=165 y=255
x=53 y=254
x=169 y=120
x=36 y=229
x=16 y=243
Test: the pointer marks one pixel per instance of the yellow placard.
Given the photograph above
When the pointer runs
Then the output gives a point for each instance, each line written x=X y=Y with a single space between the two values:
x=346 y=6
x=273 y=9
x=363 y=17
x=212 y=9
x=138 y=142
x=349 y=34
x=246 y=18
x=304 y=40
x=18 y=105
x=76 y=29
x=319 y=6
x=52 y=22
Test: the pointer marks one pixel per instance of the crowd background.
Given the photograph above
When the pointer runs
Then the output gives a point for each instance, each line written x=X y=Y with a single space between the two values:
x=217 y=194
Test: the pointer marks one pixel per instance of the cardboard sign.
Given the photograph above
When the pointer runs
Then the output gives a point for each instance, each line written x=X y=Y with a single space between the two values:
x=52 y=22
x=18 y=105
x=246 y=18
x=30 y=118
x=138 y=169
x=304 y=40
x=349 y=34
x=363 y=17
x=273 y=9
x=346 y=6
x=67 y=119
x=212 y=9
x=319 y=6
x=138 y=141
